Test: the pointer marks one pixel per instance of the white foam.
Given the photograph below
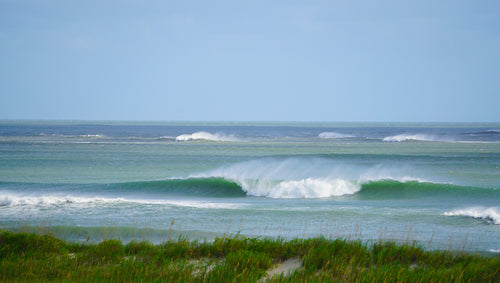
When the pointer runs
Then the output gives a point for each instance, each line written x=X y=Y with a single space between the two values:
x=411 y=137
x=50 y=200
x=487 y=213
x=495 y=251
x=13 y=200
x=206 y=136
x=334 y=135
x=312 y=188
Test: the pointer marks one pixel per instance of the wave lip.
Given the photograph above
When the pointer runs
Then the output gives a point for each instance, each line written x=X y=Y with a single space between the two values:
x=410 y=137
x=491 y=214
x=334 y=135
x=206 y=136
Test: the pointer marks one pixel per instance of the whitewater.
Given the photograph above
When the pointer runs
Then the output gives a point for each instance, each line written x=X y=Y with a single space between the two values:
x=436 y=184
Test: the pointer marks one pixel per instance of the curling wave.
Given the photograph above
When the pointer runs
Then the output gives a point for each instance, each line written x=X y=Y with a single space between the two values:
x=490 y=214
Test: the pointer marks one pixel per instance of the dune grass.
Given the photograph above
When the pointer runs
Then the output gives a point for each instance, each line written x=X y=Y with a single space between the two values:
x=32 y=257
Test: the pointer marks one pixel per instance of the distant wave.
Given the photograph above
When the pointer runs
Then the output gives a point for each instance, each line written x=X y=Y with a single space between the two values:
x=491 y=214
x=334 y=135
x=412 y=137
x=206 y=136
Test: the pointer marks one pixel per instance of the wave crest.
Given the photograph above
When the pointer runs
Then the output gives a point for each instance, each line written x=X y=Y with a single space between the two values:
x=486 y=213
x=206 y=136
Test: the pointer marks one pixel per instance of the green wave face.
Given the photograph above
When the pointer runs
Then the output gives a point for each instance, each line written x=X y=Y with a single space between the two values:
x=391 y=189
x=194 y=187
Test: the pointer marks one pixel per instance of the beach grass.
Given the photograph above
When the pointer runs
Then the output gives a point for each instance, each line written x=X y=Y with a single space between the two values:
x=33 y=257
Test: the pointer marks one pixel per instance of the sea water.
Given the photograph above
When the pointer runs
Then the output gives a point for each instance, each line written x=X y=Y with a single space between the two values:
x=436 y=184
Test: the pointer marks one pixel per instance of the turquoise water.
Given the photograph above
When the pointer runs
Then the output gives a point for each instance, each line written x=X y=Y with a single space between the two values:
x=438 y=184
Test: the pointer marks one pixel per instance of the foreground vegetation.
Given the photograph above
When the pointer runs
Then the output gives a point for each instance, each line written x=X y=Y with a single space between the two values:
x=32 y=257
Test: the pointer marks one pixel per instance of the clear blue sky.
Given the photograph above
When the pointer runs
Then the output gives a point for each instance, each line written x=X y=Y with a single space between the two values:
x=250 y=60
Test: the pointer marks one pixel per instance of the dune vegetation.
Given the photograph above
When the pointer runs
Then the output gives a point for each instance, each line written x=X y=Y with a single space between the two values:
x=33 y=257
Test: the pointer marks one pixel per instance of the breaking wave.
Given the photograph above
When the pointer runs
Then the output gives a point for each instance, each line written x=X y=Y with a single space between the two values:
x=160 y=192
x=58 y=201
x=317 y=178
x=27 y=200
x=490 y=214
x=411 y=137
x=334 y=135
x=206 y=136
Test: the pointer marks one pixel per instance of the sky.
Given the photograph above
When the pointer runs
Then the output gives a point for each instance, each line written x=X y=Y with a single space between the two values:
x=407 y=61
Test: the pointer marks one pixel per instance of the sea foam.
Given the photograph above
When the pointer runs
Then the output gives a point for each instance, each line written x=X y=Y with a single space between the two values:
x=206 y=136
x=486 y=213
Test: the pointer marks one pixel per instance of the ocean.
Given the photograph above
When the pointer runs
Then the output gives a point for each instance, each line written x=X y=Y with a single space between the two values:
x=437 y=184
